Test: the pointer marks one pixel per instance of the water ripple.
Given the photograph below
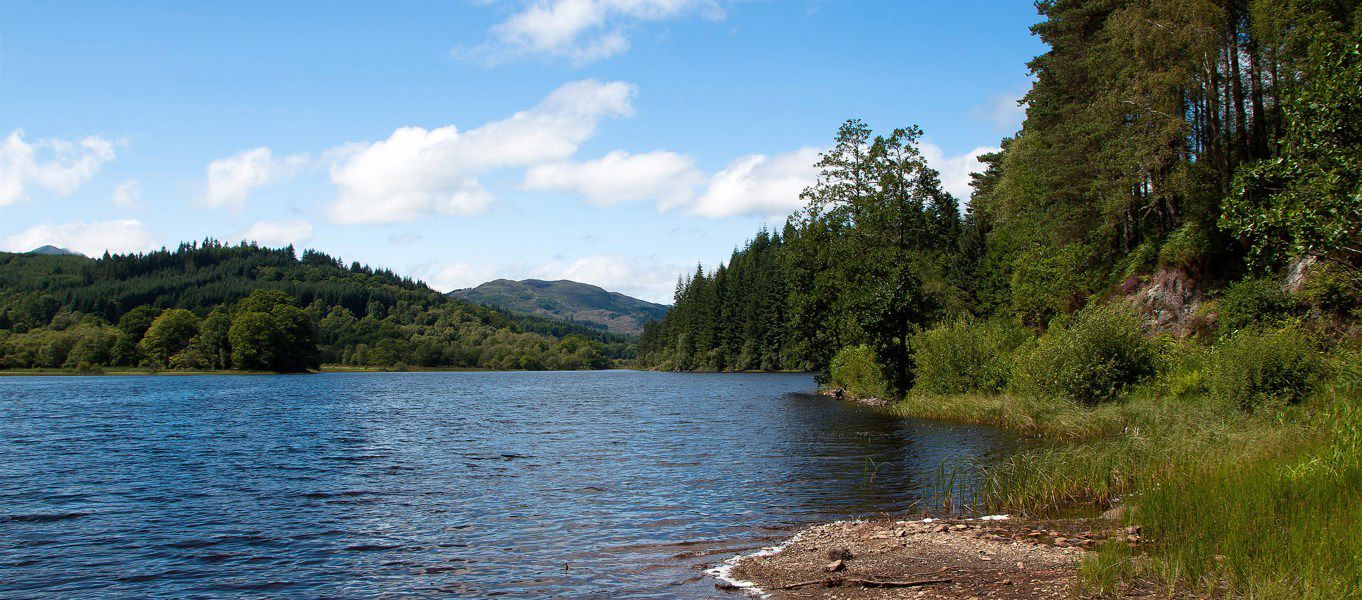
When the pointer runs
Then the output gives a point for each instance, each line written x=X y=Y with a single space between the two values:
x=611 y=484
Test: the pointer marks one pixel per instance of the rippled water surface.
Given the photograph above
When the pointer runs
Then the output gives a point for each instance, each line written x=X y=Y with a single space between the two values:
x=606 y=484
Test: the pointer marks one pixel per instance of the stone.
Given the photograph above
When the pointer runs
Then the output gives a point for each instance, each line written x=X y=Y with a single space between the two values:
x=839 y=553
x=835 y=566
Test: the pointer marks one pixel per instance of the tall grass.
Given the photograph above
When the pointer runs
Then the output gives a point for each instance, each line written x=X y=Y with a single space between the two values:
x=1242 y=463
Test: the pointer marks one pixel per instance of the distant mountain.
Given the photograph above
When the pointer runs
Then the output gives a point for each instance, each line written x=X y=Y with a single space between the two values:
x=567 y=300
x=54 y=251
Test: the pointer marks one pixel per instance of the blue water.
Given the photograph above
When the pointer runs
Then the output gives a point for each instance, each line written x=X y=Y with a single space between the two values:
x=467 y=485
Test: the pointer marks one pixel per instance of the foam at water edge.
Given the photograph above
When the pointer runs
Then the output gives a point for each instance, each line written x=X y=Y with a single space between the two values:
x=724 y=572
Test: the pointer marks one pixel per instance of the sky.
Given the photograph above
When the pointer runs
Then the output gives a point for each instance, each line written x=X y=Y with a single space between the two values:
x=613 y=142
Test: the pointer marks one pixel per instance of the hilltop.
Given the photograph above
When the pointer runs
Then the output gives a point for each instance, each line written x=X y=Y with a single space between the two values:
x=568 y=301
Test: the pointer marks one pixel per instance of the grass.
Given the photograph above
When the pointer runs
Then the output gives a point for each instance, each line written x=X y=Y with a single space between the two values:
x=1262 y=503
x=1048 y=418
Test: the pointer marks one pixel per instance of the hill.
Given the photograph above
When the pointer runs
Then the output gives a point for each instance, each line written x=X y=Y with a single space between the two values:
x=51 y=250
x=70 y=310
x=566 y=300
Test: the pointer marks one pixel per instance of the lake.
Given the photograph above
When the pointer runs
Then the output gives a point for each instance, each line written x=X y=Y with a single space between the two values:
x=520 y=484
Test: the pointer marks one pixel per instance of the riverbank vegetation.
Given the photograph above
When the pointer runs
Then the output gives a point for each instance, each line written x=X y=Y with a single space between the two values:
x=211 y=306
x=1159 y=277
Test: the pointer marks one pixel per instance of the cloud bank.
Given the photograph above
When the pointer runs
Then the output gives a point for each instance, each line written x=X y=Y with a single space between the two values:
x=231 y=179
x=419 y=172
x=90 y=239
x=56 y=165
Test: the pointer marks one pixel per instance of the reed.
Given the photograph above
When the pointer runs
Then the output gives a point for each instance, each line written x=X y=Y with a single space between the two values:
x=1239 y=499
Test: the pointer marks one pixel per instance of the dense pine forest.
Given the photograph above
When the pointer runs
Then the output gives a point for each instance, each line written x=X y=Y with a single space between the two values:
x=213 y=306
x=1210 y=140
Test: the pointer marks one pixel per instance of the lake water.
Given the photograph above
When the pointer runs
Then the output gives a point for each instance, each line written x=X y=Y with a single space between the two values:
x=581 y=484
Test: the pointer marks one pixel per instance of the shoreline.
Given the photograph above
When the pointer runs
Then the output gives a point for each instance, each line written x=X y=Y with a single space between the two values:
x=993 y=556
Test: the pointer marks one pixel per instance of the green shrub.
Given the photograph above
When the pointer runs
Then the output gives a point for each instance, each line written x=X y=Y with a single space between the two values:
x=1334 y=290
x=855 y=370
x=1186 y=246
x=1141 y=260
x=964 y=356
x=1254 y=302
x=1256 y=367
x=1095 y=358
x=1047 y=282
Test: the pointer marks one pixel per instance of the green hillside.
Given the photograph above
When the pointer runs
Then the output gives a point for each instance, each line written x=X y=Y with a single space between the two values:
x=69 y=311
x=566 y=300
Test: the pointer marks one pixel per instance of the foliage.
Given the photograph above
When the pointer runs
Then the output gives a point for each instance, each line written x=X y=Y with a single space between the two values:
x=855 y=370
x=306 y=309
x=964 y=356
x=1250 y=302
x=1047 y=283
x=1257 y=367
x=171 y=332
x=1307 y=201
x=1334 y=290
x=1090 y=360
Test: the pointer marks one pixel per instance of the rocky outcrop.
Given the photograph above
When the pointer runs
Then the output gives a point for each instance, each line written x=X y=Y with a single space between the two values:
x=1169 y=299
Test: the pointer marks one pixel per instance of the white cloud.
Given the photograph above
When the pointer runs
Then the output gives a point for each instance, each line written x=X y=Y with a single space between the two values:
x=56 y=165
x=417 y=172
x=1005 y=111
x=91 y=239
x=757 y=184
x=231 y=179
x=462 y=275
x=580 y=31
x=955 y=170
x=621 y=177
x=640 y=278
x=127 y=194
x=277 y=233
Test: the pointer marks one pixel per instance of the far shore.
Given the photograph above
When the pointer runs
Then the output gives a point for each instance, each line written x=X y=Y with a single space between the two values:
x=324 y=369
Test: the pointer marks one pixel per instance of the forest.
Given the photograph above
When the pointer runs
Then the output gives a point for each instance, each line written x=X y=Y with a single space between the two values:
x=1217 y=140
x=1158 y=278
x=210 y=306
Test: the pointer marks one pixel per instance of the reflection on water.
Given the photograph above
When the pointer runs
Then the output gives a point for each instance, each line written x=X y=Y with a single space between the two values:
x=444 y=484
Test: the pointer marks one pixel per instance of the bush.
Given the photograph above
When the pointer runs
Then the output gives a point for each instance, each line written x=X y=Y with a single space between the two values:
x=1254 y=302
x=1186 y=247
x=1096 y=357
x=1257 y=367
x=1333 y=290
x=1048 y=282
x=855 y=370
x=964 y=356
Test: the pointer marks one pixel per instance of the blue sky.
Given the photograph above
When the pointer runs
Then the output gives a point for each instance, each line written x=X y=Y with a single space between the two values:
x=617 y=142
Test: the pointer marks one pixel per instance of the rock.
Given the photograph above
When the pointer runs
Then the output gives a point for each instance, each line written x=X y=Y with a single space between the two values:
x=839 y=554
x=835 y=566
x=939 y=528
x=1133 y=530
x=960 y=527
x=1116 y=513
x=1059 y=541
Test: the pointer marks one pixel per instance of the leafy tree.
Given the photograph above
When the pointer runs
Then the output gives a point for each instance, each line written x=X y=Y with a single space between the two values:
x=252 y=336
x=169 y=334
x=1307 y=201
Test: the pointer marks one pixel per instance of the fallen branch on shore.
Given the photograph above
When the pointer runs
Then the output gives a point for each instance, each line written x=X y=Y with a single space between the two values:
x=870 y=583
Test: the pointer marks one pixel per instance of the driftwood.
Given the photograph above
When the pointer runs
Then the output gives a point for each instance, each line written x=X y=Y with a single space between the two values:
x=870 y=583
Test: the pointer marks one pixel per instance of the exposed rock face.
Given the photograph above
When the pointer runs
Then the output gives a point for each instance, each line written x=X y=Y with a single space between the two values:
x=1297 y=272
x=1169 y=299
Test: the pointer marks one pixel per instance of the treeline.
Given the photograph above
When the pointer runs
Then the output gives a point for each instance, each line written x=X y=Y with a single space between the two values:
x=1218 y=139
x=292 y=313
